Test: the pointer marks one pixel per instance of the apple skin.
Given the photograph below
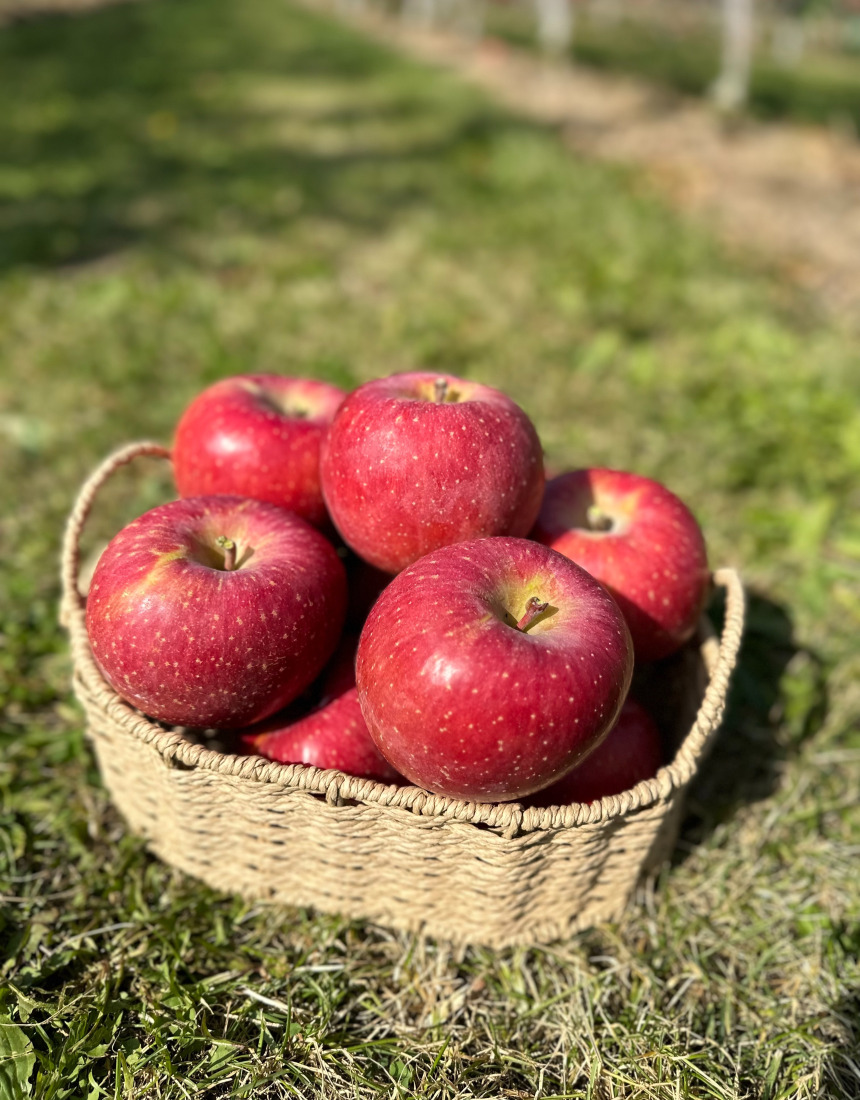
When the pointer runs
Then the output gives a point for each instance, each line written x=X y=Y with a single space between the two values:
x=462 y=702
x=258 y=436
x=629 y=753
x=332 y=735
x=652 y=559
x=193 y=644
x=404 y=474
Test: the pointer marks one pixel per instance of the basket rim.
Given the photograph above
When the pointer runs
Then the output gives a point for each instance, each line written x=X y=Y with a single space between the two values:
x=511 y=818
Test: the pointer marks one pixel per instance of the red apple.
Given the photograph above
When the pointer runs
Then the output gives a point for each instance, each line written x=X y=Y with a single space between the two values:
x=215 y=611
x=257 y=435
x=629 y=753
x=640 y=541
x=418 y=460
x=488 y=669
x=332 y=735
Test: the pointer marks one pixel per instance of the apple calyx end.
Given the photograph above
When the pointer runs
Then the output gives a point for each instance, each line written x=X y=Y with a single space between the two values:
x=598 y=520
x=534 y=608
x=229 y=548
x=282 y=404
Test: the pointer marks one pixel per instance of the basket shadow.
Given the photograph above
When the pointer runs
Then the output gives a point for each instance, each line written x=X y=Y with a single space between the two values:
x=778 y=698
x=842 y=1026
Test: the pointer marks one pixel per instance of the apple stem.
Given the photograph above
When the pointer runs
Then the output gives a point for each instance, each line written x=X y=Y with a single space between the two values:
x=598 y=520
x=534 y=607
x=229 y=548
x=440 y=390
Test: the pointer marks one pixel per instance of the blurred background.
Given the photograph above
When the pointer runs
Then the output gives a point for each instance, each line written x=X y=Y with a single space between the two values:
x=794 y=58
x=638 y=218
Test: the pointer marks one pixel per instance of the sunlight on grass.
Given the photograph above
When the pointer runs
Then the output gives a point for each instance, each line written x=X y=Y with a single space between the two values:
x=195 y=189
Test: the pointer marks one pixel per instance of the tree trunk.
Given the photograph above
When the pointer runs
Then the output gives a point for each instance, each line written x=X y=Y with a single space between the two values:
x=730 y=90
x=469 y=18
x=788 y=40
x=607 y=12
x=421 y=12
x=554 y=25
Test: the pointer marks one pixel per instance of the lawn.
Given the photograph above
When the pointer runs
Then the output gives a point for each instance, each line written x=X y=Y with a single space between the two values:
x=190 y=189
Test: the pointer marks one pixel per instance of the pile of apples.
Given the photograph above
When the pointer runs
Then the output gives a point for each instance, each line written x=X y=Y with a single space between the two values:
x=383 y=583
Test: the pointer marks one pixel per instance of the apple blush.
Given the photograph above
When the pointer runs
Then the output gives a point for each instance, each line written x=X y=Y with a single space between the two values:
x=258 y=436
x=488 y=669
x=215 y=611
x=640 y=541
x=417 y=461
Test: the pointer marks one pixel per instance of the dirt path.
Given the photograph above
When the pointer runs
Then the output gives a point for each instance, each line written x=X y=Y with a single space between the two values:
x=790 y=193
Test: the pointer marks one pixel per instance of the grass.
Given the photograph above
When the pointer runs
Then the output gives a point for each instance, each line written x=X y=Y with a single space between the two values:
x=191 y=189
x=819 y=88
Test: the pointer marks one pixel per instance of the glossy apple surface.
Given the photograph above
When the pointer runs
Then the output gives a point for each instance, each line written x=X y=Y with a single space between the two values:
x=189 y=640
x=640 y=541
x=257 y=435
x=463 y=701
x=629 y=753
x=333 y=734
x=417 y=461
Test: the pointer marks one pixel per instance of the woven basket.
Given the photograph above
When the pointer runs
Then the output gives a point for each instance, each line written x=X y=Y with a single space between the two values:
x=492 y=874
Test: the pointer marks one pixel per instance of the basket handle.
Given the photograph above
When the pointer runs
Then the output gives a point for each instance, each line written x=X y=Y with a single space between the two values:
x=733 y=624
x=70 y=561
x=713 y=704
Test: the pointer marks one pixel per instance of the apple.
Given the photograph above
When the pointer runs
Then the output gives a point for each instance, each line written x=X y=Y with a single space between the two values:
x=417 y=460
x=488 y=669
x=215 y=611
x=629 y=753
x=257 y=435
x=640 y=541
x=332 y=735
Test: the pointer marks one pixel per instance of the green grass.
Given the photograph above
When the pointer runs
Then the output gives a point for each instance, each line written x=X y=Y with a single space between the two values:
x=820 y=88
x=191 y=189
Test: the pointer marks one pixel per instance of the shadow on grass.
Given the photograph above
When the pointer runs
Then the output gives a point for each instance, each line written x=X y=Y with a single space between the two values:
x=842 y=1068
x=778 y=698
x=143 y=122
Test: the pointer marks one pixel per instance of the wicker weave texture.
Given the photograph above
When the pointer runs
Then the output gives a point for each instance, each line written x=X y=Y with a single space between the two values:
x=492 y=874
